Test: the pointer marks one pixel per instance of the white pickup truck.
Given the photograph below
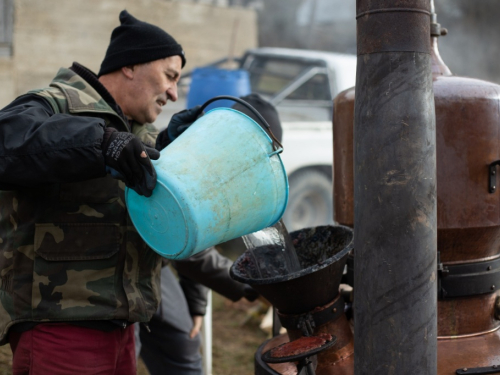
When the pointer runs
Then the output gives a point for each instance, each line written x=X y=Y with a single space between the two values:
x=302 y=85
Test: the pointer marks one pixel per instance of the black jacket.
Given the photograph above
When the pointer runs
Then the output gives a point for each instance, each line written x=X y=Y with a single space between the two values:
x=34 y=152
x=209 y=270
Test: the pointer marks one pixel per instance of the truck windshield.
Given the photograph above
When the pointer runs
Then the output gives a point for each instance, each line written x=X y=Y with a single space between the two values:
x=268 y=76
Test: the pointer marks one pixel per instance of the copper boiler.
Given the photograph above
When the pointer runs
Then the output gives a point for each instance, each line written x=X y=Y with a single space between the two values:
x=468 y=212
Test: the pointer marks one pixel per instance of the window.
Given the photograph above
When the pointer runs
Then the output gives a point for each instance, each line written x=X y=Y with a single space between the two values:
x=268 y=76
x=314 y=89
x=6 y=26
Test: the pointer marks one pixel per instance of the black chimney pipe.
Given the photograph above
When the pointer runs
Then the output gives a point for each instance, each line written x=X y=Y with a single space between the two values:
x=395 y=191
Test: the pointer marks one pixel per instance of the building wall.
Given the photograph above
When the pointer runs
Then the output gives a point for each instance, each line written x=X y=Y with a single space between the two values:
x=49 y=34
x=6 y=81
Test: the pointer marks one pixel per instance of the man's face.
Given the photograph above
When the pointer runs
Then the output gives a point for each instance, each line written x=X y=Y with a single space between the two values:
x=151 y=86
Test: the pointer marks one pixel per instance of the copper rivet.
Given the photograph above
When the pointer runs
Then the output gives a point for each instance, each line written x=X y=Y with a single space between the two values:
x=335 y=310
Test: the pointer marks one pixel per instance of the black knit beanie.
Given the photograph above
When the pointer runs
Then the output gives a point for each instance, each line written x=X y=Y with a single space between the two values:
x=137 y=42
x=266 y=109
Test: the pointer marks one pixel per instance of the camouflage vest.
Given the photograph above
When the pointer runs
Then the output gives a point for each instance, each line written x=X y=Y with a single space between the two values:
x=69 y=252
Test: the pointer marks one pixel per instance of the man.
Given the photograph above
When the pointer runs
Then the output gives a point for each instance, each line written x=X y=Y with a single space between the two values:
x=170 y=344
x=74 y=273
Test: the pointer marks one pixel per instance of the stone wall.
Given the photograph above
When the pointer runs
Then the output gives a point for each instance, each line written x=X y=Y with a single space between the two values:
x=49 y=34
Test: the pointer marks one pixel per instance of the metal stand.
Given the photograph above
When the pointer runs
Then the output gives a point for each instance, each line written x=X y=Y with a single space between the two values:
x=305 y=365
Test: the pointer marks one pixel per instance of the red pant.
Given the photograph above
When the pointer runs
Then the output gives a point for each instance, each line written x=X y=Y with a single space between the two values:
x=64 y=349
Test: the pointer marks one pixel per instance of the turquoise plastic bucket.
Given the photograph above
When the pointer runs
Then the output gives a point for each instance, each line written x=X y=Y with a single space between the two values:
x=221 y=179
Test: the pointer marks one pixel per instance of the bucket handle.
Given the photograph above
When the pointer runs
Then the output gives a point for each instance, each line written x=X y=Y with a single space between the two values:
x=278 y=147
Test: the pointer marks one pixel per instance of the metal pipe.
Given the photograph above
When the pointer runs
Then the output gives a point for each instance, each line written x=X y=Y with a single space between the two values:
x=395 y=303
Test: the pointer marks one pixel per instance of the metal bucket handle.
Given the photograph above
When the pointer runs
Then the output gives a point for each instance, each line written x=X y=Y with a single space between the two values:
x=278 y=147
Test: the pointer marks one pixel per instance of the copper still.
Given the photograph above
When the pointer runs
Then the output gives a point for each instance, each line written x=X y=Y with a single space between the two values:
x=308 y=302
x=468 y=212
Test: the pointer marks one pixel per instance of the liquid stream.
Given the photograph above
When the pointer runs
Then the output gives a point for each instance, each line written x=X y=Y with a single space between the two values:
x=276 y=255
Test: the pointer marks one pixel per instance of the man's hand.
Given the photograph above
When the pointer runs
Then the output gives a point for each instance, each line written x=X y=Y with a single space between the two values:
x=177 y=125
x=197 y=323
x=128 y=159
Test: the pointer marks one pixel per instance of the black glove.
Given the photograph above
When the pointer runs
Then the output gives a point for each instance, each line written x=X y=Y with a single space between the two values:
x=128 y=159
x=177 y=125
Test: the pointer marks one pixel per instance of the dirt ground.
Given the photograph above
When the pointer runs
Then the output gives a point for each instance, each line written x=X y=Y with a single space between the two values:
x=236 y=337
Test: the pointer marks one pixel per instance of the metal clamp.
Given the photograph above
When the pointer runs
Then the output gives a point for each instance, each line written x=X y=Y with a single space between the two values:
x=278 y=151
x=492 y=176
x=389 y=10
x=306 y=325
x=495 y=369
x=468 y=279
x=307 y=322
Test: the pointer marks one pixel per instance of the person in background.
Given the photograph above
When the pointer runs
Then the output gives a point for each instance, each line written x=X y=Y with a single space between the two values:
x=75 y=275
x=171 y=343
x=267 y=111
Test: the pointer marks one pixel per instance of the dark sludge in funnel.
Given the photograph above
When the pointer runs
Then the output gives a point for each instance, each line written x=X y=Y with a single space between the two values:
x=316 y=248
x=263 y=262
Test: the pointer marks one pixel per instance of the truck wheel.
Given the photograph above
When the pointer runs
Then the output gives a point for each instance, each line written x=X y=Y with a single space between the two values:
x=310 y=200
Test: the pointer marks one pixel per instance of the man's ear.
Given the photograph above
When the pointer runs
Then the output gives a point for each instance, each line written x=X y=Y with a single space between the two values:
x=128 y=71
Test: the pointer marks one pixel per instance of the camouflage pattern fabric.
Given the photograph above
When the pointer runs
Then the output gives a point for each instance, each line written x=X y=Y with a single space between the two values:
x=69 y=252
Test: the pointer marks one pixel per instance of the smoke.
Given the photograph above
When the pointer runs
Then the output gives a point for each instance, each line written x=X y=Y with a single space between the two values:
x=471 y=48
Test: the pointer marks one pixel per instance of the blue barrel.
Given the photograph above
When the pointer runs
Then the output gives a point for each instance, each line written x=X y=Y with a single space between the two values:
x=209 y=82
x=220 y=179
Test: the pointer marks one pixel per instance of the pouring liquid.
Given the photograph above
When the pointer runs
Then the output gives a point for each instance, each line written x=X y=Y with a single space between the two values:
x=276 y=255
